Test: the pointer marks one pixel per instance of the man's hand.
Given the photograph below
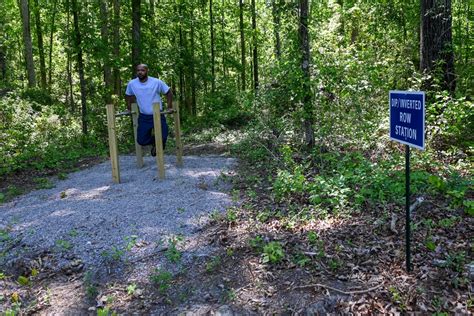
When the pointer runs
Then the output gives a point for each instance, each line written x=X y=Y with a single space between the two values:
x=169 y=111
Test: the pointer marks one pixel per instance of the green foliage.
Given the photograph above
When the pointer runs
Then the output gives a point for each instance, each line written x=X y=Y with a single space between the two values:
x=231 y=216
x=114 y=254
x=469 y=207
x=348 y=182
x=213 y=264
x=39 y=140
x=105 y=311
x=448 y=222
x=161 y=279
x=273 y=253
x=90 y=286
x=257 y=242
x=290 y=181
x=63 y=245
x=430 y=244
x=22 y=280
x=451 y=121
x=10 y=312
x=172 y=253
x=43 y=183
x=131 y=289
x=456 y=261
x=131 y=241
x=38 y=97
x=301 y=260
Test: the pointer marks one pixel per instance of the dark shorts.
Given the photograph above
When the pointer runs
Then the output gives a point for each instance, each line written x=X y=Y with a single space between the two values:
x=145 y=126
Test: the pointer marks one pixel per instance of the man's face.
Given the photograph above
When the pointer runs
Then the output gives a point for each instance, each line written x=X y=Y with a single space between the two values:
x=142 y=72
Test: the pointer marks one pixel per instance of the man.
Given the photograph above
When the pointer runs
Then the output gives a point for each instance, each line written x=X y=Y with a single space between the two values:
x=147 y=90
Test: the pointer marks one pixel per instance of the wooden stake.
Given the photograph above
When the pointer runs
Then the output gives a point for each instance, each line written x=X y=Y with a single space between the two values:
x=138 y=147
x=113 y=143
x=177 y=127
x=160 y=160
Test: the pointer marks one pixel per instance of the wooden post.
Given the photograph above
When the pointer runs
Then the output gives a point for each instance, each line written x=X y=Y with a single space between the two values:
x=138 y=147
x=160 y=160
x=113 y=143
x=177 y=127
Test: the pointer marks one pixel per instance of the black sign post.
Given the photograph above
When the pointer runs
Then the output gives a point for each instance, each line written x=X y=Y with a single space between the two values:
x=407 y=126
x=407 y=208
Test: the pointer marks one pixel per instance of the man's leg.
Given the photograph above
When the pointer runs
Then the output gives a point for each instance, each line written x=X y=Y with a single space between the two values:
x=145 y=126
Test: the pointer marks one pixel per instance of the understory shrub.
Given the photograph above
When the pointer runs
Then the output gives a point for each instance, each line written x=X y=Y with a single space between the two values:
x=39 y=139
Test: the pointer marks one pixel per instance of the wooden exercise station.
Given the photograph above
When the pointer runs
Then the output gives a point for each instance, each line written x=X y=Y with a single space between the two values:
x=160 y=160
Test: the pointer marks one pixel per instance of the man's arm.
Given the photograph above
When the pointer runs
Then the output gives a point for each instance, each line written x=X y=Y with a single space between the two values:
x=130 y=99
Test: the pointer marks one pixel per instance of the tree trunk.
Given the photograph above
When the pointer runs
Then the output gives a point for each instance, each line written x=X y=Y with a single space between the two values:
x=3 y=63
x=305 y=63
x=51 y=34
x=342 y=27
x=136 y=22
x=104 y=34
x=69 y=93
x=255 y=53
x=436 y=48
x=116 y=47
x=276 y=27
x=39 y=36
x=213 y=56
x=80 y=65
x=181 y=59
x=242 y=43
x=224 y=64
x=193 y=69
x=204 y=54
x=30 y=66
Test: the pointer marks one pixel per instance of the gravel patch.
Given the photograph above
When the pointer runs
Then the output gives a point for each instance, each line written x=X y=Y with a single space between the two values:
x=89 y=216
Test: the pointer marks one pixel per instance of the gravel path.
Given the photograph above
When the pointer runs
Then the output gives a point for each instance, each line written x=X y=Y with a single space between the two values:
x=91 y=217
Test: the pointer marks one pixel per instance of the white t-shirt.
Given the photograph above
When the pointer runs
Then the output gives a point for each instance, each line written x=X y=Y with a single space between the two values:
x=147 y=93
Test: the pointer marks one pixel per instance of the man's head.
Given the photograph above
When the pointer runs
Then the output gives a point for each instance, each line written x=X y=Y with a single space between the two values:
x=142 y=71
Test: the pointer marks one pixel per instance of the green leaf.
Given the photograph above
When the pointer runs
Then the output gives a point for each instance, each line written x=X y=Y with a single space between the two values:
x=23 y=280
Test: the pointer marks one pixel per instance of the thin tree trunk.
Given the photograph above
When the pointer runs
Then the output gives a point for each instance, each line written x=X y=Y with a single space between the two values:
x=436 y=47
x=69 y=94
x=193 y=69
x=181 y=61
x=136 y=23
x=116 y=47
x=104 y=34
x=39 y=37
x=152 y=14
x=204 y=54
x=80 y=65
x=305 y=63
x=51 y=34
x=276 y=27
x=342 y=28
x=3 y=63
x=30 y=66
x=213 y=57
x=255 y=53
x=224 y=64
x=242 y=44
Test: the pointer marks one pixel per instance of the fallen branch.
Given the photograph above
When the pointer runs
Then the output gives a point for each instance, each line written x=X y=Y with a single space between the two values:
x=338 y=290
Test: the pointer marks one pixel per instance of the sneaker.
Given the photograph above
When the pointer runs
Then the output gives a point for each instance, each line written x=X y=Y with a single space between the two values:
x=153 y=150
